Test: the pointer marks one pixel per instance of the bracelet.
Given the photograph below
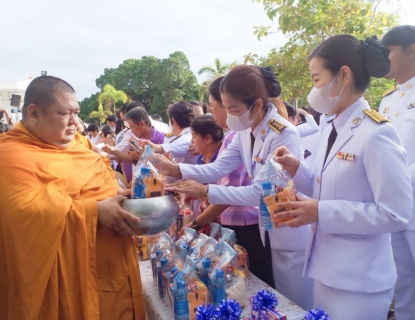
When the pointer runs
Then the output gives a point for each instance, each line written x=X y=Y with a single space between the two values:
x=196 y=226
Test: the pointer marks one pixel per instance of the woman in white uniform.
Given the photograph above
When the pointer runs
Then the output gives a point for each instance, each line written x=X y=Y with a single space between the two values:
x=260 y=130
x=360 y=187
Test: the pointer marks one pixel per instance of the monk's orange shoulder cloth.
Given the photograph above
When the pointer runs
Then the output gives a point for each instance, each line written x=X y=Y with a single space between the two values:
x=55 y=262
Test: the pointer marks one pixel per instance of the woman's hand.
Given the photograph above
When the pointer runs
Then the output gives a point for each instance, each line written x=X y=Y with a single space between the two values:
x=156 y=147
x=303 y=211
x=107 y=149
x=112 y=215
x=166 y=166
x=189 y=187
x=288 y=161
x=303 y=112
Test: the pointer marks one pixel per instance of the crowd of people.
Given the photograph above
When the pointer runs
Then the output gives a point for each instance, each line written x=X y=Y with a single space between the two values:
x=347 y=245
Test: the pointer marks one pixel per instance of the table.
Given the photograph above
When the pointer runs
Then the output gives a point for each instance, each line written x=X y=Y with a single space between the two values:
x=157 y=310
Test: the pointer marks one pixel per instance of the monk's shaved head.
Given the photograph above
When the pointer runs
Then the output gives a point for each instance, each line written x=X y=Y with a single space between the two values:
x=44 y=91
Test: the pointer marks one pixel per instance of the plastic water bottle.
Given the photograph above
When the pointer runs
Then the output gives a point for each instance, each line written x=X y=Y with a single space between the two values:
x=154 y=258
x=160 y=270
x=181 y=304
x=205 y=272
x=265 y=216
x=218 y=287
x=139 y=186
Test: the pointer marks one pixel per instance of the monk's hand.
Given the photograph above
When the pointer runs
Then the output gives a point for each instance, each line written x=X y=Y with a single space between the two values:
x=112 y=215
x=288 y=161
x=303 y=211
x=166 y=166
x=192 y=151
x=134 y=155
x=189 y=187
x=156 y=147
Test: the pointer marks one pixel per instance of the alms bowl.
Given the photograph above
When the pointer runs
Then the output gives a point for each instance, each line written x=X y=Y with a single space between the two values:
x=156 y=214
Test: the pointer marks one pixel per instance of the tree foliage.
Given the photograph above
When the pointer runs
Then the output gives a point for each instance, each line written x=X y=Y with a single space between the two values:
x=109 y=96
x=306 y=23
x=154 y=82
x=100 y=114
x=88 y=105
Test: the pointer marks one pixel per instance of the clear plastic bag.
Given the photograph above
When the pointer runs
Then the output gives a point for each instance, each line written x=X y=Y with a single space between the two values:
x=277 y=187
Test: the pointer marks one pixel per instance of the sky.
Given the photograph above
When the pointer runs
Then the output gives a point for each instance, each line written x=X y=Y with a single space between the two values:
x=76 y=40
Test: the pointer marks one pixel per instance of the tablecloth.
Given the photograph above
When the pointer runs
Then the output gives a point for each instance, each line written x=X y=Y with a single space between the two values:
x=158 y=310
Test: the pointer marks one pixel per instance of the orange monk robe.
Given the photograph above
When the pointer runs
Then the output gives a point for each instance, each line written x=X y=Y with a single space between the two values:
x=55 y=263
x=82 y=140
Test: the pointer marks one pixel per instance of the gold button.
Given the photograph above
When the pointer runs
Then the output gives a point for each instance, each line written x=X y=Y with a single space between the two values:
x=408 y=86
x=314 y=229
x=356 y=120
x=263 y=131
x=318 y=179
x=396 y=114
x=386 y=110
x=402 y=94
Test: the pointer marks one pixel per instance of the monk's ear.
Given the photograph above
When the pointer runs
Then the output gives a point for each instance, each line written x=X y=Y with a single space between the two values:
x=33 y=112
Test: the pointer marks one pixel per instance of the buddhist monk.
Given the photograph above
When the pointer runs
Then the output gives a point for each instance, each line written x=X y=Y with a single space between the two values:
x=66 y=248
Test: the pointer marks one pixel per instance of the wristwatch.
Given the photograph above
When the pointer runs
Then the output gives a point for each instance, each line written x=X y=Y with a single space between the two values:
x=196 y=226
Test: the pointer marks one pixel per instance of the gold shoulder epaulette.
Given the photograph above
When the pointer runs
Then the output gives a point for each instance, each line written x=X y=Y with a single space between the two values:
x=388 y=92
x=169 y=135
x=276 y=125
x=375 y=116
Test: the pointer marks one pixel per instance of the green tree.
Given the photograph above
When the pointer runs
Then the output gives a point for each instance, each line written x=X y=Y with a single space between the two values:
x=216 y=71
x=109 y=96
x=101 y=114
x=305 y=23
x=88 y=105
x=154 y=82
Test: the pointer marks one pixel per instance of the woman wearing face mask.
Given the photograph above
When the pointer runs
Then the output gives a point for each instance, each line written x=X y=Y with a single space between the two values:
x=260 y=130
x=360 y=187
x=241 y=219
x=306 y=128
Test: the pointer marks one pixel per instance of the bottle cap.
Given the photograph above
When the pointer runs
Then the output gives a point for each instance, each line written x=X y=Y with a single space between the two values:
x=164 y=261
x=266 y=185
x=145 y=170
x=174 y=270
x=206 y=263
x=220 y=273
x=180 y=284
x=159 y=252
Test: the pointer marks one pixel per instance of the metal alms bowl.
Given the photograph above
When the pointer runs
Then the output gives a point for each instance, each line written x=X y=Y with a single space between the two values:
x=156 y=214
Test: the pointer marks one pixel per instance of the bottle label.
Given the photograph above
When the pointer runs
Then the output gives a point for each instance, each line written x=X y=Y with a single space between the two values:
x=181 y=308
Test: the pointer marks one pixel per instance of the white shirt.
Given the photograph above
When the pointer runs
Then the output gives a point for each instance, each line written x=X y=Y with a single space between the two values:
x=399 y=108
x=160 y=126
x=308 y=128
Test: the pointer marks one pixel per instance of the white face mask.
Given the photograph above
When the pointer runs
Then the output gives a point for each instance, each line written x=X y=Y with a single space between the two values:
x=126 y=124
x=240 y=123
x=321 y=100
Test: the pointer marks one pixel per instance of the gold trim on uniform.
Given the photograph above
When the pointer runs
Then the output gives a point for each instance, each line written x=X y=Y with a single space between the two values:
x=408 y=86
x=345 y=156
x=318 y=180
x=276 y=125
x=328 y=114
x=356 y=120
x=386 y=111
x=402 y=94
x=169 y=135
x=376 y=116
x=388 y=92
x=396 y=114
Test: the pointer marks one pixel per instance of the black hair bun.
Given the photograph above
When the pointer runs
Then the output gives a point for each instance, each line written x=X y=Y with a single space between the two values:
x=273 y=85
x=377 y=57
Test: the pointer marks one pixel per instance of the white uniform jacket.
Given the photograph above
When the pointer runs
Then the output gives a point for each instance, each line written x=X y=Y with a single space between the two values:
x=399 y=108
x=239 y=152
x=178 y=145
x=361 y=203
x=307 y=128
